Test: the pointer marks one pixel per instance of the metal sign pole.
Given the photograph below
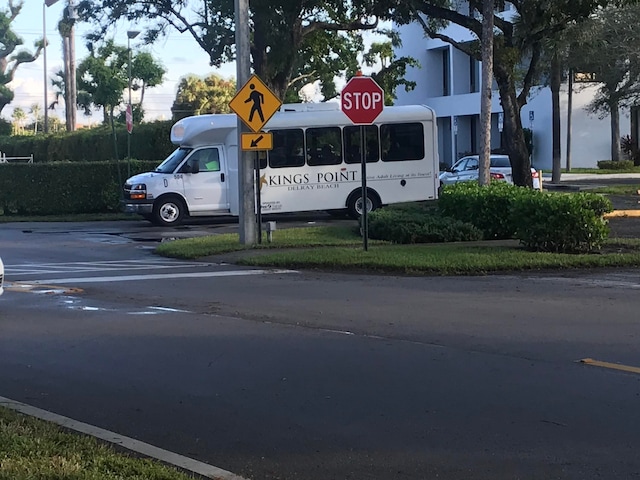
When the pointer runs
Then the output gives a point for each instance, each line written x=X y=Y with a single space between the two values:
x=364 y=219
x=258 y=200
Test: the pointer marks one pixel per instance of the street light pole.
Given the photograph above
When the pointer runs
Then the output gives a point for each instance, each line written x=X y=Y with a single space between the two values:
x=44 y=57
x=130 y=34
x=45 y=4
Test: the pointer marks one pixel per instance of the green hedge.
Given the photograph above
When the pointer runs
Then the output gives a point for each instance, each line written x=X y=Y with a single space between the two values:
x=613 y=165
x=488 y=208
x=565 y=223
x=418 y=226
x=64 y=187
x=149 y=141
x=550 y=222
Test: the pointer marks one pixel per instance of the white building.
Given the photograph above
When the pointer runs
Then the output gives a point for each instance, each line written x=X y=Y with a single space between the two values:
x=449 y=81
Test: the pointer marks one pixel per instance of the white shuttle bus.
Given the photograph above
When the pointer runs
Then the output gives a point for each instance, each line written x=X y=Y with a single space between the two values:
x=315 y=164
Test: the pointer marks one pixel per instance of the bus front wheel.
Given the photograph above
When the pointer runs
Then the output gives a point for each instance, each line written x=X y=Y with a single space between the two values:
x=355 y=203
x=168 y=211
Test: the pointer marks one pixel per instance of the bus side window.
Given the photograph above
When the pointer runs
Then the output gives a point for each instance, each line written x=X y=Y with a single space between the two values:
x=402 y=141
x=352 y=144
x=287 y=148
x=324 y=146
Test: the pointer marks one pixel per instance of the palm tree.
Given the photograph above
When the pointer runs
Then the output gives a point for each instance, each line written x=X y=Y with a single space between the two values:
x=36 y=111
x=18 y=116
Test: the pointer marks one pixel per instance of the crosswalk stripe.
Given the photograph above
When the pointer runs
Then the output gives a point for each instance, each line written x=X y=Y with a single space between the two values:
x=128 y=278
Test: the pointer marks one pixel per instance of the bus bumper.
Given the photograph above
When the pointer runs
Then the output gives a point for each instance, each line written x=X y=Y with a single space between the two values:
x=145 y=208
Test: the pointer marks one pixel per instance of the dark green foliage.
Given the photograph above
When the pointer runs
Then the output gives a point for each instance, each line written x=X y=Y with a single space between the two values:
x=61 y=188
x=489 y=208
x=630 y=150
x=149 y=141
x=615 y=165
x=5 y=127
x=547 y=222
x=418 y=226
x=562 y=223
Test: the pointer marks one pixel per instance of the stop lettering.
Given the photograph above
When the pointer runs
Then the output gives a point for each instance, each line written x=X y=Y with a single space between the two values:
x=362 y=100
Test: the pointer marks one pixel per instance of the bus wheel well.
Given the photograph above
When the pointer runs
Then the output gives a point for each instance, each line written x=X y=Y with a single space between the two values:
x=354 y=202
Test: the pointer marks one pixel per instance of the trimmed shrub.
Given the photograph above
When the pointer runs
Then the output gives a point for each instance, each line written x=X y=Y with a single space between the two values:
x=489 y=207
x=613 y=165
x=565 y=223
x=415 y=226
x=64 y=187
x=149 y=141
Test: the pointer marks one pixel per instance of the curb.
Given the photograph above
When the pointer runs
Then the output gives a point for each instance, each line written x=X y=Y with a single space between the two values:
x=145 y=449
x=622 y=213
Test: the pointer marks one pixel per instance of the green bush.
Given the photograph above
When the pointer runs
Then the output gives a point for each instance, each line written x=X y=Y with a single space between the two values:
x=565 y=223
x=63 y=187
x=613 y=165
x=149 y=141
x=489 y=207
x=416 y=226
x=5 y=127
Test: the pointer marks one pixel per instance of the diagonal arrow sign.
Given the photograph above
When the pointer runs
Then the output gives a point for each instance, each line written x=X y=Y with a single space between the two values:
x=255 y=142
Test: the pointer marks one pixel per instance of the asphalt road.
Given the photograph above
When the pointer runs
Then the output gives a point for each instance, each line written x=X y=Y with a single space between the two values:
x=308 y=375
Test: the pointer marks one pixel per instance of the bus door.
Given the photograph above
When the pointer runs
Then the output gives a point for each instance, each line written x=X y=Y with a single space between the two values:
x=207 y=190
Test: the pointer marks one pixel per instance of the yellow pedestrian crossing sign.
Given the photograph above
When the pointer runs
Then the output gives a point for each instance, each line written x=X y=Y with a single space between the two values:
x=255 y=104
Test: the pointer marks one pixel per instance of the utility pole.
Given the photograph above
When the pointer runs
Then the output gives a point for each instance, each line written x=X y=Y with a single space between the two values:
x=485 y=95
x=246 y=192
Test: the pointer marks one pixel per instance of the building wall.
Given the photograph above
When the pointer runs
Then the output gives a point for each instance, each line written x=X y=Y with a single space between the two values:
x=459 y=102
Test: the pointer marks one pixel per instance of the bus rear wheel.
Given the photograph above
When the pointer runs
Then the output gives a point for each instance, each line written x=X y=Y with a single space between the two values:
x=169 y=211
x=355 y=204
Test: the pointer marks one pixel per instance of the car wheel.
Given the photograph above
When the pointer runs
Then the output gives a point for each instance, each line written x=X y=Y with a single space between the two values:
x=169 y=211
x=355 y=204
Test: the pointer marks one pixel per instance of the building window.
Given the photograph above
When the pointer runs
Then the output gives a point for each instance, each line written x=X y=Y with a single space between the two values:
x=446 y=91
x=473 y=75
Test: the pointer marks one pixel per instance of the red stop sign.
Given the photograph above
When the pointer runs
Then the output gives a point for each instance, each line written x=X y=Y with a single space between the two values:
x=362 y=100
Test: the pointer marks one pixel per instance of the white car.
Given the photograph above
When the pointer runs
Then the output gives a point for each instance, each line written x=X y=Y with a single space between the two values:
x=1 y=276
x=466 y=169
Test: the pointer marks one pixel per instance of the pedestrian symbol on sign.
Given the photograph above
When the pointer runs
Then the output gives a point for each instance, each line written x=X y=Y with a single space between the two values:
x=258 y=99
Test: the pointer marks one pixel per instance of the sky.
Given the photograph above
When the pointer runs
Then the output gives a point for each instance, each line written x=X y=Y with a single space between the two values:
x=178 y=53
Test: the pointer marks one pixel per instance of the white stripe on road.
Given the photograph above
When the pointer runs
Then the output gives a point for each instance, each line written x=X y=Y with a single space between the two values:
x=129 y=278
x=151 y=451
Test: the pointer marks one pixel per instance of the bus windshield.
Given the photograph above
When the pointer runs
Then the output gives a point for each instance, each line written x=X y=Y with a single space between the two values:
x=173 y=161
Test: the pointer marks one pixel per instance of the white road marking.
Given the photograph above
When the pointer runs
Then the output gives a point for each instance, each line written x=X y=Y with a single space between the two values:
x=129 y=278
x=51 y=268
x=137 y=446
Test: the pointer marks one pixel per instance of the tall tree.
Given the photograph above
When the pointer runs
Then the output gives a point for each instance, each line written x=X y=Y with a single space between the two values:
x=196 y=96
x=517 y=51
x=606 y=48
x=290 y=39
x=103 y=77
x=393 y=69
x=36 y=111
x=18 y=117
x=10 y=59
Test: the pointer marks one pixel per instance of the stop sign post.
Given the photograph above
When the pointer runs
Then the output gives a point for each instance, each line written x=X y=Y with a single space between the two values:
x=362 y=100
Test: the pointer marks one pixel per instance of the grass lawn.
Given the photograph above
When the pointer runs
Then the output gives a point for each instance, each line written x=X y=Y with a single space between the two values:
x=32 y=449
x=340 y=249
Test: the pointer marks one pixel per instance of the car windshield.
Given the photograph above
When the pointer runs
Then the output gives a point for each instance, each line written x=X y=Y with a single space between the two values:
x=500 y=162
x=173 y=161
